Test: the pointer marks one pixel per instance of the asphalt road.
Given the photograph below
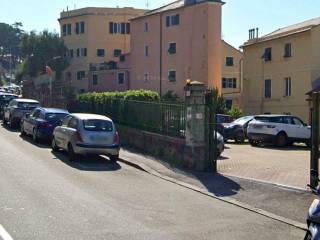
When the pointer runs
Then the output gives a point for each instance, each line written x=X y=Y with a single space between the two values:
x=44 y=196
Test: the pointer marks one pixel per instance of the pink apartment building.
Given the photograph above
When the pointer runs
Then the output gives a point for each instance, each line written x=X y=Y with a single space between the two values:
x=169 y=45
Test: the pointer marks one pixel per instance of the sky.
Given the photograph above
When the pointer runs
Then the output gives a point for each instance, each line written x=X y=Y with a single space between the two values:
x=238 y=15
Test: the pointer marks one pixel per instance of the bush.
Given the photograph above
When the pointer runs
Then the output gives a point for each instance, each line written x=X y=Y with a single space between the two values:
x=235 y=112
x=137 y=95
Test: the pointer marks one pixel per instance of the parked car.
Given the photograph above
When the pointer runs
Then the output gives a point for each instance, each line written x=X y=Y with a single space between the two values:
x=280 y=130
x=16 y=109
x=220 y=144
x=5 y=98
x=41 y=122
x=82 y=134
x=237 y=130
x=222 y=119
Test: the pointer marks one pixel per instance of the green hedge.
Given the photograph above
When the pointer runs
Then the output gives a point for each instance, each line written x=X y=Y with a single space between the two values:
x=137 y=95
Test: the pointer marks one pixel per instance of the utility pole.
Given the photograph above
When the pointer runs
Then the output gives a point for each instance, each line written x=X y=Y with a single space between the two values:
x=314 y=160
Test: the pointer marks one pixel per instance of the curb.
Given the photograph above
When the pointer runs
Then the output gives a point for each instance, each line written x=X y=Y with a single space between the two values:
x=143 y=167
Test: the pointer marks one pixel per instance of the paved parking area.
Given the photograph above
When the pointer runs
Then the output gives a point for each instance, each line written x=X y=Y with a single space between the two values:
x=288 y=166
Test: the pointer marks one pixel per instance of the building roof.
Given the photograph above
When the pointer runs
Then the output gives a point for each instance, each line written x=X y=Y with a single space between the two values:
x=175 y=5
x=286 y=31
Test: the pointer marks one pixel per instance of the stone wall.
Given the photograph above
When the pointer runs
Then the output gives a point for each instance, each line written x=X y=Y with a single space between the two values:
x=169 y=149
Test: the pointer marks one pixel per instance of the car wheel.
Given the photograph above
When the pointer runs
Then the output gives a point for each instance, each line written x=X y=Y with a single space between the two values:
x=35 y=135
x=71 y=154
x=54 y=146
x=11 y=125
x=23 y=133
x=239 y=137
x=253 y=143
x=114 y=158
x=281 y=140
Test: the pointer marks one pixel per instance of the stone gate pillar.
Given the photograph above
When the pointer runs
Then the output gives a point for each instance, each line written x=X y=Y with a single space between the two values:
x=195 y=153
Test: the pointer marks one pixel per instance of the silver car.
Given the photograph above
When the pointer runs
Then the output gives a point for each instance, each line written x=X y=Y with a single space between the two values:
x=82 y=134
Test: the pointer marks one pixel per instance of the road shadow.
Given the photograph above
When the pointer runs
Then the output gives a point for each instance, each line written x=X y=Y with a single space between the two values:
x=40 y=143
x=218 y=184
x=288 y=148
x=14 y=130
x=88 y=163
x=221 y=158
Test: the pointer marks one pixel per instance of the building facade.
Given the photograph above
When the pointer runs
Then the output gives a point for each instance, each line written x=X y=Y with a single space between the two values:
x=94 y=36
x=280 y=68
x=232 y=75
x=176 y=42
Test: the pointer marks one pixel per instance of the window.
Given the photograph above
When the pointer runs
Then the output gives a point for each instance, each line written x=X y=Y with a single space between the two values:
x=287 y=50
x=146 y=27
x=117 y=52
x=81 y=27
x=97 y=125
x=71 y=53
x=66 y=120
x=64 y=30
x=267 y=88
x=121 y=78
x=83 y=52
x=73 y=123
x=78 y=52
x=173 y=20
x=297 y=121
x=146 y=77
x=119 y=28
x=287 y=87
x=146 y=51
x=128 y=29
x=95 y=79
x=172 y=76
x=81 y=75
x=229 y=83
x=77 y=28
x=229 y=61
x=82 y=90
x=267 y=54
x=172 y=48
x=69 y=29
x=228 y=103
x=100 y=52
x=122 y=58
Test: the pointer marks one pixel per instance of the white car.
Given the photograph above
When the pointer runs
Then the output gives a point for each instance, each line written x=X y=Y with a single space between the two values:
x=82 y=134
x=280 y=130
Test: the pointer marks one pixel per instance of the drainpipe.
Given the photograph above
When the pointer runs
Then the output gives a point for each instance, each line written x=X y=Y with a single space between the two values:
x=160 y=67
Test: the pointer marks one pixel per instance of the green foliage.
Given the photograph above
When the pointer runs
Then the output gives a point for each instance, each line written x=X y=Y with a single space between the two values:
x=170 y=96
x=218 y=102
x=10 y=38
x=137 y=95
x=41 y=49
x=235 y=112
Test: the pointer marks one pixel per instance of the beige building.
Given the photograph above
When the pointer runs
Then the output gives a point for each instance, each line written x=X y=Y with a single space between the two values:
x=280 y=68
x=232 y=75
x=94 y=35
x=176 y=42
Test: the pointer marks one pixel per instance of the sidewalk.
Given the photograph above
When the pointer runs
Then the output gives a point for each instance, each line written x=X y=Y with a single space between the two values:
x=266 y=199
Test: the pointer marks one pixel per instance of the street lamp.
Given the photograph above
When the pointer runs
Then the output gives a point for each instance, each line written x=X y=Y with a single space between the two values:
x=50 y=72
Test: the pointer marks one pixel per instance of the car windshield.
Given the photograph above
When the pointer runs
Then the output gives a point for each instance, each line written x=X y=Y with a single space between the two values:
x=27 y=105
x=6 y=98
x=55 y=117
x=97 y=125
x=243 y=120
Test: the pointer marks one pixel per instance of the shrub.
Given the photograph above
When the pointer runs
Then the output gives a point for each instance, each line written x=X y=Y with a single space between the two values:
x=235 y=112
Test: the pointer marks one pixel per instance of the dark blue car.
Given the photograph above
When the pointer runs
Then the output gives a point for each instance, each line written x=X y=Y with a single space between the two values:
x=41 y=122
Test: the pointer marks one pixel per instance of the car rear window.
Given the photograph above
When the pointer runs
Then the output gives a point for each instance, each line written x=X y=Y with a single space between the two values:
x=270 y=119
x=97 y=125
x=27 y=105
x=54 y=117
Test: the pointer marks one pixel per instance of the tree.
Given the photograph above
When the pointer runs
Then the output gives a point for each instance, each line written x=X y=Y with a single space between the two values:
x=40 y=50
x=218 y=101
x=10 y=38
x=235 y=112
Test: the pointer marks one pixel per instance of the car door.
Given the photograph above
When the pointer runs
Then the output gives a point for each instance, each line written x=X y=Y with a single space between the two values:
x=302 y=130
x=71 y=131
x=31 y=120
x=288 y=127
x=8 y=109
x=26 y=122
x=61 y=132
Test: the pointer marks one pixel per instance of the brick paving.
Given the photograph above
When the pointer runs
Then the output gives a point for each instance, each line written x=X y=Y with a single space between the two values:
x=289 y=166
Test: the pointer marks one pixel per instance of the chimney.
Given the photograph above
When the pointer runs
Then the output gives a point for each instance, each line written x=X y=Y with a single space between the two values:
x=253 y=33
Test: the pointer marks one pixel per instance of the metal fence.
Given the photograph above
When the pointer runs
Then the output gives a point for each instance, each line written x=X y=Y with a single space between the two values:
x=158 y=117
